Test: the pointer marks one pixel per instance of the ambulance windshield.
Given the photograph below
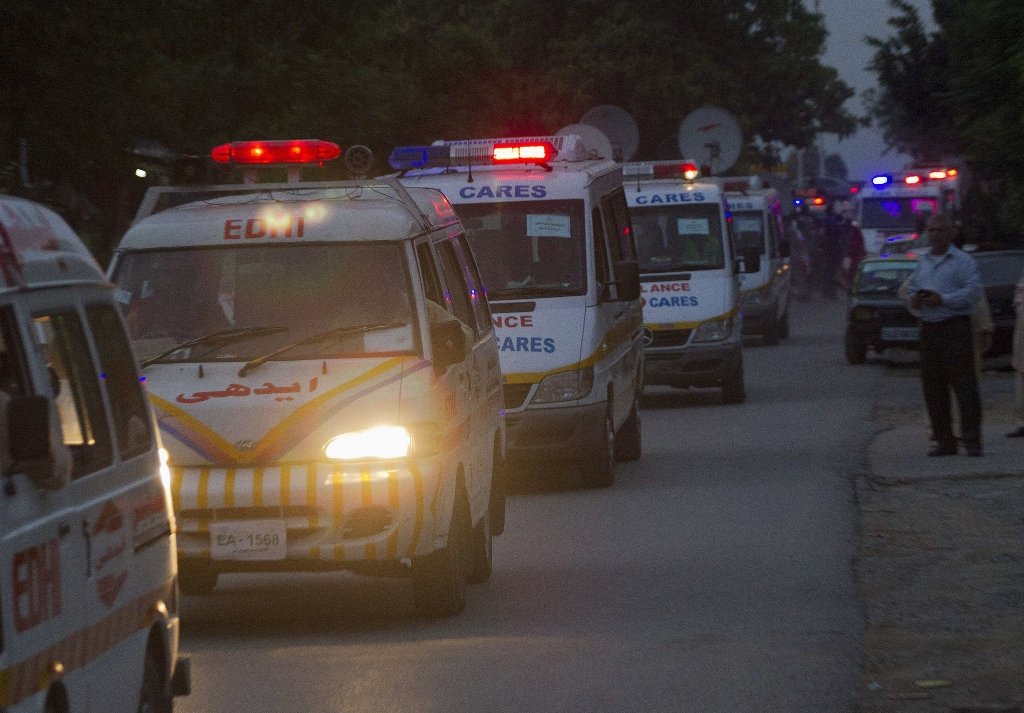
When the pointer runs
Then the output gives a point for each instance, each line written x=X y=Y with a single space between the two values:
x=528 y=248
x=749 y=229
x=269 y=297
x=897 y=213
x=673 y=238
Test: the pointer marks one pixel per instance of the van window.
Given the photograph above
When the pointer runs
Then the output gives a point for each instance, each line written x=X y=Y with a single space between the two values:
x=117 y=370
x=437 y=308
x=476 y=288
x=749 y=227
x=12 y=366
x=75 y=389
x=525 y=249
x=601 y=269
x=774 y=234
x=623 y=224
x=458 y=290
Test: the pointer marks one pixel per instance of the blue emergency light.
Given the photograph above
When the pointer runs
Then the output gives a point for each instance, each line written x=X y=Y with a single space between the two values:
x=405 y=158
x=881 y=180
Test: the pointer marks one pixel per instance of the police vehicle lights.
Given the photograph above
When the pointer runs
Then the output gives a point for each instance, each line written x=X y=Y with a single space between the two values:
x=539 y=150
x=275 y=152
x=884 y=180
x=687 y=170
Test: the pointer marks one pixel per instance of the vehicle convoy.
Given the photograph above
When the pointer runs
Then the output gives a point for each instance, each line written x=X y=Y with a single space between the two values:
x=88 y=592
x=549 y=226
x=765 y=280
x=323 y=365
x=892 y=210
x=877 y=317
x=689 y=278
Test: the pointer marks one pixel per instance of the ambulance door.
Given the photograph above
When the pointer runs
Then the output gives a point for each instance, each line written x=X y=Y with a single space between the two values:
x=473 y=378
x=625 y=331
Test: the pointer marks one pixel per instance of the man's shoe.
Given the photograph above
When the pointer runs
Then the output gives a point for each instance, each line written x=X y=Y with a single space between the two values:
x=974 y=451
x=942 y=451
x=1017 y=433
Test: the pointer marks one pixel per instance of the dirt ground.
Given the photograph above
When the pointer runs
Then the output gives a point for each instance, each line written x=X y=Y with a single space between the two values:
x=941 y=582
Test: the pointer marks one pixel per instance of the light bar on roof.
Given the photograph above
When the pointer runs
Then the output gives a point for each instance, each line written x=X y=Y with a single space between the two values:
x=265 y=153
x=687 y=170
x=404 y=158
x=479 y=152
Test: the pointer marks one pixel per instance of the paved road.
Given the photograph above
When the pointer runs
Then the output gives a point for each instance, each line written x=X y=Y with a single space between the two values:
x=715 y=575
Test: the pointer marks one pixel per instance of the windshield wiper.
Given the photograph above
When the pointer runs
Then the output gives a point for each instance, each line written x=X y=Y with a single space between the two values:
x=220 y=338
x=530 y=291
x=337 y=332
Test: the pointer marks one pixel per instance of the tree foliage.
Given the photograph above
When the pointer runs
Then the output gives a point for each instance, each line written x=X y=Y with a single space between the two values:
x=85 y=83
x=958 y=94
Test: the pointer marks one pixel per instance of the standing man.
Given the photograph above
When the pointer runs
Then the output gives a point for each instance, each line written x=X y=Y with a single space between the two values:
x=1018 y=360
x=944 y=289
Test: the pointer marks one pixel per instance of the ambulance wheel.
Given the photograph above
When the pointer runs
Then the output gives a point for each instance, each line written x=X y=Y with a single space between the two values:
x=856 y=349
x=771 y=332
x=599 y=468
x=733 y=389
x=784 y=325
x=499 y=489
x=154 y=697
x=628 y=440
x=483 y=551
x=197 y=579
x=439 y=579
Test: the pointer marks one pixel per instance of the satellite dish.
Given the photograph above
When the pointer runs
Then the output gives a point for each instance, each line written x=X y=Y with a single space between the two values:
x=598 y=145
x=358 y=160
x=620 y=128
x=712 y=137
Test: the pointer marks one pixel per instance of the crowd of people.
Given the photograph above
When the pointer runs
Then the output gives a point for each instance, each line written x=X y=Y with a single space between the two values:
x=825 y=249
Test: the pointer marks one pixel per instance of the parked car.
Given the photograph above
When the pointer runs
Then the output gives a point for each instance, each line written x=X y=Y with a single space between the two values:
x=877 y=318
x=1000 y=270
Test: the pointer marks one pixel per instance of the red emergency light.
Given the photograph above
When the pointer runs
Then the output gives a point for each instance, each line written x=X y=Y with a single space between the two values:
x=524 y=153
x=274 y=152
x=912 y=180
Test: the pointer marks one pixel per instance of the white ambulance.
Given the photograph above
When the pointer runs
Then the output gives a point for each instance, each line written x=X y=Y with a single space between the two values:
x=689 y=278
x=88 y=594
x=550 y=229
x=325 y=376
x=893 y=209
x=765 y=282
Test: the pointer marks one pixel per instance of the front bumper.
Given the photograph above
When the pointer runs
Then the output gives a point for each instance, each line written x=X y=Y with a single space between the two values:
x=697 y=365
x=334 y=514
x=559 y=433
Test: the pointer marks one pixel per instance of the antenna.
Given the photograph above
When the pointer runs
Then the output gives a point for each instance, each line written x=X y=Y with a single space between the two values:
x=619 y=126
x=712 y=137
x=596 y=142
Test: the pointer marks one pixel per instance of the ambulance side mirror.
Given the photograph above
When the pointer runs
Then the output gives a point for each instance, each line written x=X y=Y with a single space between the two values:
x=32 y=443
x=448 y=344
x=751 y=261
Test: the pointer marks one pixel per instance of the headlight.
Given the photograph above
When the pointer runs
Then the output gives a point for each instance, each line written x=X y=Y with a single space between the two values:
x=566 y=386
x=380 y=442
x=165 y=469
x=713 y=331
x=863 y=314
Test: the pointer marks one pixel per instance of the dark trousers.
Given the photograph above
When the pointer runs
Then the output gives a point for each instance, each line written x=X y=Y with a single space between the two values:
x=947 y=364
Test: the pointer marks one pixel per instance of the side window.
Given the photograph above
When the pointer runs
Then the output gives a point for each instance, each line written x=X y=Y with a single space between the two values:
x=623 y=224
x=773 y=233
x=458 y=291
x=127 y=402
x=75 y=389
x=601 y=272
x=613 y=244
x=476 y=286
x=431 y=282
x=13 y=381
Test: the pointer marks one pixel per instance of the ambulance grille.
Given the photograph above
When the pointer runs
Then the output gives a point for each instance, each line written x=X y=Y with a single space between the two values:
x=670 y=338
x=515 y=394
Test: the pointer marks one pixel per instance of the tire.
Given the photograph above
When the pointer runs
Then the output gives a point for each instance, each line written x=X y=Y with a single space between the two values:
x=439 y=579
x=598 y=468
x=482 y=545
x=733 y=389
x=771 y=332
x=197 y=579
x=154 y=696
x=499 y=490
x=629 y=439
x=784 y=325
x=856 y=350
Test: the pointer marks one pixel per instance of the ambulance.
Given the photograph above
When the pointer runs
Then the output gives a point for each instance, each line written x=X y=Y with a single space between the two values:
x=88 y=591
x=548 y=223
x=892 y=211
x=689 y=278
x=765 y=281
x=323 y=366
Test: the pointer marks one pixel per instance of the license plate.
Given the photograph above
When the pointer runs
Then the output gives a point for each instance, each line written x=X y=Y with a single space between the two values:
x=248 y=540
x=901 y=334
